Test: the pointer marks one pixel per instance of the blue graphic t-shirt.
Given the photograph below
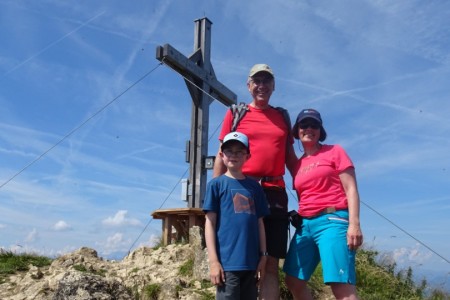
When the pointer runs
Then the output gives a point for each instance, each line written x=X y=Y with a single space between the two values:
x=238 y=204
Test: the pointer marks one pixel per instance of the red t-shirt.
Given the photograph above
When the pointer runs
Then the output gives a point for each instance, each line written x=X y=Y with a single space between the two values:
x=267 y=133
x=317 y=180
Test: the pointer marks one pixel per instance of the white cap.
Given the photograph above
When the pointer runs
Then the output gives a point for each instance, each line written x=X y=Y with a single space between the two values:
x=235 y=136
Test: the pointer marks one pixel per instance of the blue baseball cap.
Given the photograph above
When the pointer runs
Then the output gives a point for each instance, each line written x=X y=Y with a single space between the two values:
x=235 y=136
x=309 y=113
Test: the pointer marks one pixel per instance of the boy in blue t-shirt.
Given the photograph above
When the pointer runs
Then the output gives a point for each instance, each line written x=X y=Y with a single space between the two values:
x=234 y=229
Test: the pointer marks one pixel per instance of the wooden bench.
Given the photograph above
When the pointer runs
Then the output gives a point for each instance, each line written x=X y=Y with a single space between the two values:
x=182 y=219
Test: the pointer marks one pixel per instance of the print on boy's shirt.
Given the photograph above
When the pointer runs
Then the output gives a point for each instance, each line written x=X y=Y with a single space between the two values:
x=243 y=204
x=308 y=168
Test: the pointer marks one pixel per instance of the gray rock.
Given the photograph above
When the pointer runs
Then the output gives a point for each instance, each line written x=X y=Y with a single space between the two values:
x=145 y=273
x=79 y=286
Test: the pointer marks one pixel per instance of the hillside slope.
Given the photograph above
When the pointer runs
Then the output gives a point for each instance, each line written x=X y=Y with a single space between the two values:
x=177 y=271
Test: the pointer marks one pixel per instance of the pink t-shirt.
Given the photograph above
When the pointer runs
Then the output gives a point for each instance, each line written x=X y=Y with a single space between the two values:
x=267 y=133
x=317 y=180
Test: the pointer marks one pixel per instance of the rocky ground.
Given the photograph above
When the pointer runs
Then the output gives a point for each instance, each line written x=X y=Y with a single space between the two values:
x=145 y=273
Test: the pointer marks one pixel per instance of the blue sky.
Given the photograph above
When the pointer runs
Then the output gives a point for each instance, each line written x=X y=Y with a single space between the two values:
x=378 y=71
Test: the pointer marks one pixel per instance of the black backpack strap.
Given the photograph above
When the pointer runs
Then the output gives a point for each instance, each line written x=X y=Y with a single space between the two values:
x=286 y=116
x=287 y=120
x=238 y=111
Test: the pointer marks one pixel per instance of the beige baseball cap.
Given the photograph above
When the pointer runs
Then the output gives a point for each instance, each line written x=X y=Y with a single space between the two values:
x=260 y=68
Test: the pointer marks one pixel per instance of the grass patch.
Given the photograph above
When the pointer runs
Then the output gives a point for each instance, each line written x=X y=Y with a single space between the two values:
x=158 y=244
x=206 y=284
x=10 y=263
x=187 y=269
x=152 y=291
x=374 y=281
x=206 y=295
x=82 y=268
x=372 y=276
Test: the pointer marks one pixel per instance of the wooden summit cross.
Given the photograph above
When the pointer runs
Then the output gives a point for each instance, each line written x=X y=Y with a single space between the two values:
x=196 y=68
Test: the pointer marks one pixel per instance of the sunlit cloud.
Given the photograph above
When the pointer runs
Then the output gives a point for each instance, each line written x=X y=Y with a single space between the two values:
x=413 y=255
x=62 y=226
x=121 y=219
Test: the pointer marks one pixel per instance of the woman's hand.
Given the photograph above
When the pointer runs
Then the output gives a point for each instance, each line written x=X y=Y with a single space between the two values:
x=354 y=236
x=354 y=233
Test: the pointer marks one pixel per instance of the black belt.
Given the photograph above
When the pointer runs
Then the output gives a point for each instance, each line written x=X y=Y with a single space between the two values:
x=266 y=178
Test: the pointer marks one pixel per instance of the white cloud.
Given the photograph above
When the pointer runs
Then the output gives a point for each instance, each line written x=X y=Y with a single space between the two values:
x=411 y=256
x=114 y=240
x=32 y=236
x=152 y=241
x=2 y=226
x=115 y=243
x=61 y=226
x=120 y=219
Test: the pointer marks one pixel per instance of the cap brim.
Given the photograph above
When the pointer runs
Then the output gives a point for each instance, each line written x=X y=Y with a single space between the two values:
x=262 y=71
x=310 y=117
x=230 y=141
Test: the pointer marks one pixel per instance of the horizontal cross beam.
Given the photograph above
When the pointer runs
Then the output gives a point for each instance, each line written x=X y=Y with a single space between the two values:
x=188 y=68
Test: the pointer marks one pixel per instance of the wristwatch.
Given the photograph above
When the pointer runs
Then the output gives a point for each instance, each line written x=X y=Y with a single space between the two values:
x=264 y=253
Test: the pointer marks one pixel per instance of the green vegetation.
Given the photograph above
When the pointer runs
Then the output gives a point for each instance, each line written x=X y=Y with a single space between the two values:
x=206 y=284
x=82 y=268
x=152 y=291
x=374 y=281
x=205 y=295
x=380 y=281
x=158 y=244
x=187 y=269
x=11 y=263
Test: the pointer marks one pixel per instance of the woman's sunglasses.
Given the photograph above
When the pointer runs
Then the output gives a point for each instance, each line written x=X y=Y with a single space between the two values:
x=312 y=125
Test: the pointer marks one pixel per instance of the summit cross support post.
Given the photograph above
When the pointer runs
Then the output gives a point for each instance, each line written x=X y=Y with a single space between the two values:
x=197 y=68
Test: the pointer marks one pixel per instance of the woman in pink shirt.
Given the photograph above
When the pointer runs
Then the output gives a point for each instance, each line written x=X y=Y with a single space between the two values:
x=325 y=183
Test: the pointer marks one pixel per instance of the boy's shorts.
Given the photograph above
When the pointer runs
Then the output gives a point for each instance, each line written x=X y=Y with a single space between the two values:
x=277 y=223
x=323 y=238
x=238 y=285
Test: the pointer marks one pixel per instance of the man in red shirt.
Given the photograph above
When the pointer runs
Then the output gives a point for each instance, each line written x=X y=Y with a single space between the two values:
x=271 y=144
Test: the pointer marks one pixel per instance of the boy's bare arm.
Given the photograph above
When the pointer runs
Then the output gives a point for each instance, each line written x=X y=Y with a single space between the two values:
x=216 y=272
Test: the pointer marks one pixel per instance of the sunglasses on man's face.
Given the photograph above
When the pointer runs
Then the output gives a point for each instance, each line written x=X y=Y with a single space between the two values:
x=312 y=125
x=261 y=81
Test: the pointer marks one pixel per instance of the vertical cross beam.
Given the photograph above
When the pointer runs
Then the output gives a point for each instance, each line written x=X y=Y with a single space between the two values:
x=198 y=69
x=200 y=116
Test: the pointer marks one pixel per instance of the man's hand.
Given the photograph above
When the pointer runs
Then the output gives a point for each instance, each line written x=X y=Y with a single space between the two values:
x=261 y=270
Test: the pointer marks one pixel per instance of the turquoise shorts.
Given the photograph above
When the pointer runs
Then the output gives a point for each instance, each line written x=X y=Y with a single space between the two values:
x=323 y=238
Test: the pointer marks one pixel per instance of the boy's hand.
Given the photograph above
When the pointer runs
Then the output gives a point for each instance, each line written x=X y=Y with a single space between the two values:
x=216 y=273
